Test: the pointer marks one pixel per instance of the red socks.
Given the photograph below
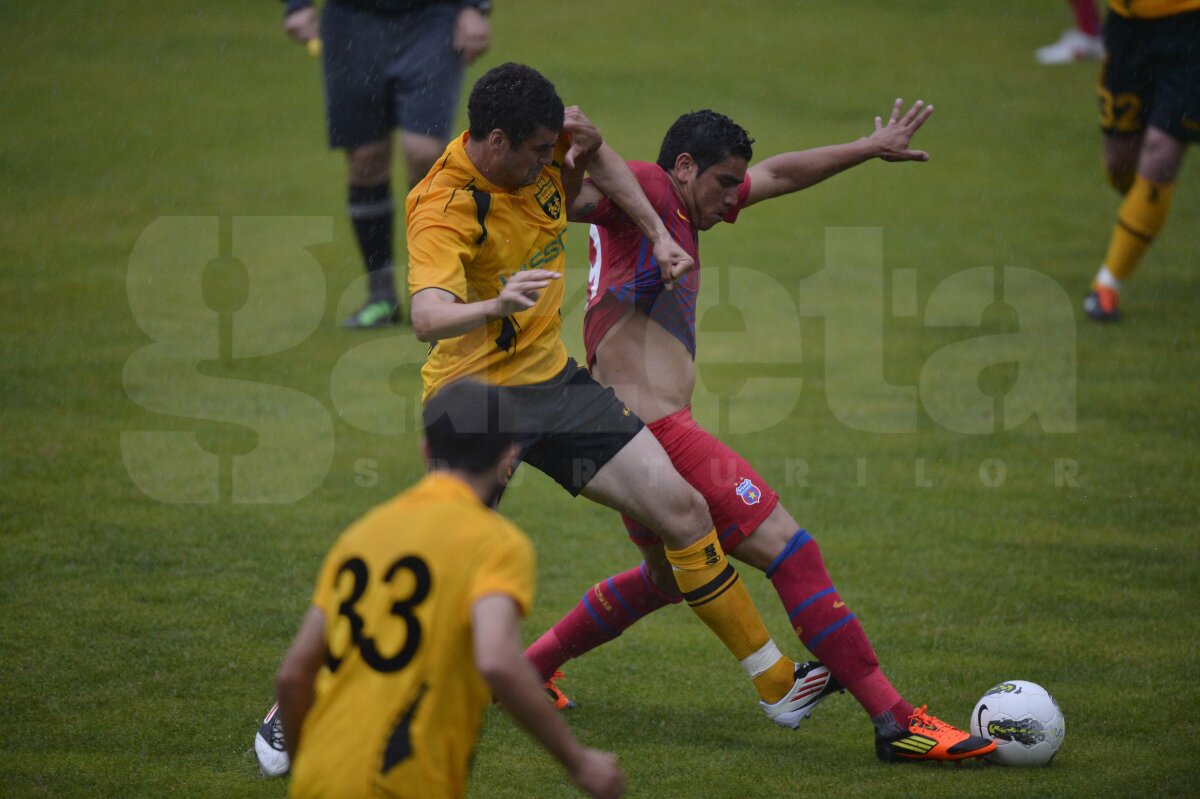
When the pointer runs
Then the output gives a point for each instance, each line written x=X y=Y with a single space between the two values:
x=828 y=628
x=1087 y=19
x=606 y=610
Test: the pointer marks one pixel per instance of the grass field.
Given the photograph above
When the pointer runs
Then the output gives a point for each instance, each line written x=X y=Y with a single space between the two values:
x=148 y=583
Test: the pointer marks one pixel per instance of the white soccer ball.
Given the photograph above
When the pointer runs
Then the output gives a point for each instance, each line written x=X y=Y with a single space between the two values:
x=1024 y=721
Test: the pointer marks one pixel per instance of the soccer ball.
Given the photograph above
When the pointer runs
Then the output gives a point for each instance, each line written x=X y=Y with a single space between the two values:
x=1024 y=721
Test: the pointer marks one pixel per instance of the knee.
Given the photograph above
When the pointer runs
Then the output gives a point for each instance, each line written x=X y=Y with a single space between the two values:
x=370 y=164
x=1160 y=157
x=685 y=518
x=662 y=577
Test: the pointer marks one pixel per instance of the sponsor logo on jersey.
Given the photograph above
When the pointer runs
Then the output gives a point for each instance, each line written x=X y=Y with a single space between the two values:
x=548 y=197
x=749 y=492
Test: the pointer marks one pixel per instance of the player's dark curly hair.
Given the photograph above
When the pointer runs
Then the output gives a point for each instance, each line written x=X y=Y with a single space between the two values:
x=516 y=99
x=709 y=137
x=462 y=427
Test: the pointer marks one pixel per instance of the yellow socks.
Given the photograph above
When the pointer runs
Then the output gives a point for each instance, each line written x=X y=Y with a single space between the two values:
x=1140 y=218
x=714 y=591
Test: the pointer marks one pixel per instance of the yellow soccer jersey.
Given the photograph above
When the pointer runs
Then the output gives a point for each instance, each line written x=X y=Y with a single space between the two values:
x=1151 y=9
x=468 y=236
x=399 y=702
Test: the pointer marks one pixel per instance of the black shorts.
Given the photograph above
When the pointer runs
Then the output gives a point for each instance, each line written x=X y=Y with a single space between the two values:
x=569 y=426
x=384 y=71
x=1151 y=75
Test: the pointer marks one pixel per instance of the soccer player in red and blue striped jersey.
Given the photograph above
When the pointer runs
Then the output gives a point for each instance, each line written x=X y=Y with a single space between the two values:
x=640 y=335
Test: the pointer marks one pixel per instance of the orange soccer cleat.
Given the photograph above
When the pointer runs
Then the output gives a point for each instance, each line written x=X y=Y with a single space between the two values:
x=930 y=738
x=557 y=698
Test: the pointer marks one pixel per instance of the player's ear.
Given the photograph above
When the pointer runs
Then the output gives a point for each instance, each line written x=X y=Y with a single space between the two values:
x=497 y=140
x=685 y=167
x=509 y=463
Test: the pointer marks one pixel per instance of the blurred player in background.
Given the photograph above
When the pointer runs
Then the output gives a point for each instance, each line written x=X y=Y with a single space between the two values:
x=1078 y=43
x=1149 y=111
x=640 y=337
x=388 y=64
x=415 y=626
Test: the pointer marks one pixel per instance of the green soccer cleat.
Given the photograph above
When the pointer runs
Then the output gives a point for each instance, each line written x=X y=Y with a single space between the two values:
x=374 y=314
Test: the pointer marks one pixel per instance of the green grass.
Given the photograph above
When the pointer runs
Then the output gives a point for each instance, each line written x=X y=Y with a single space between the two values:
x=138 y=637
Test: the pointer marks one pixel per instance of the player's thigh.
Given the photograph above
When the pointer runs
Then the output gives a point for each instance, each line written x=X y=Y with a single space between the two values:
x=640 y=482
x=738 y=498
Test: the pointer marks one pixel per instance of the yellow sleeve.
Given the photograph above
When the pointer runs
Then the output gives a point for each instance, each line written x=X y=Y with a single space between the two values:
x=508 y=568
x=438 y=252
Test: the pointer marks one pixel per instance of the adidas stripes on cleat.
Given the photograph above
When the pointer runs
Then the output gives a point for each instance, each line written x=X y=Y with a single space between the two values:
x=557 y=698
x=813 y=684
x=930 y=738
x=272 y=756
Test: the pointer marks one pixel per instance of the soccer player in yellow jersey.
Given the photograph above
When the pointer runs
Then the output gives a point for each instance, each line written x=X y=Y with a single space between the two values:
x=485 y=245
x=486 y=232
x=1149 y=110
x=415 y=625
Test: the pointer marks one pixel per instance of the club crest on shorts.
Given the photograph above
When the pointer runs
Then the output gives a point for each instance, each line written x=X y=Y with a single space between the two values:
x=749 y=492
x=548 y=197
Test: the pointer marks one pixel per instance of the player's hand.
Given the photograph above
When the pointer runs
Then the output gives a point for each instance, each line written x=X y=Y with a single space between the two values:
x=472 y=35
x=893 y=138
x=523 y=289
x=597 y=774
x=673 y=260
x=302 y=25
x=585 y=137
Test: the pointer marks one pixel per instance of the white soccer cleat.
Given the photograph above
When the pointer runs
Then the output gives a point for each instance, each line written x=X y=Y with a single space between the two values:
x=813 y=684
x=1073 y=45
x=273 y=760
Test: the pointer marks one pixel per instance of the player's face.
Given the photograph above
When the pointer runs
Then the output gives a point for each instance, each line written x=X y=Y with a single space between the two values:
x=519 y=166
x=713 y=193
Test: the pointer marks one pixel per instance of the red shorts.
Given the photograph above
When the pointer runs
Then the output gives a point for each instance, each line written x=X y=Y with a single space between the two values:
x=738 y=499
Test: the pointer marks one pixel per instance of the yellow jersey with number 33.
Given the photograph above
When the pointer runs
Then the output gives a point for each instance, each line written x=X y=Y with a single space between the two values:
x=467 y=236
x=1152 y=9
x=399 y=702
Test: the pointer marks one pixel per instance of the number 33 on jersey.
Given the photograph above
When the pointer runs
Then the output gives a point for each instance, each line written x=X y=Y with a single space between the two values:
x=396 y=591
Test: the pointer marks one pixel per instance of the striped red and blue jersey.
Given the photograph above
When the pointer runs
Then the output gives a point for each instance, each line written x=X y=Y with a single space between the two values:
x=624 y=271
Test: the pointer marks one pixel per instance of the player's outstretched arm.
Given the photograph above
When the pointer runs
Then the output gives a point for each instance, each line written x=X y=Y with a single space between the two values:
x=294 y=682
x=496 y=634
x=789 y=172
